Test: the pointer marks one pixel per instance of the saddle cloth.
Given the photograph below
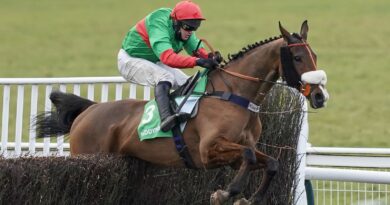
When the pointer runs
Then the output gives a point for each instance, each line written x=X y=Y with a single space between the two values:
x=149 y=127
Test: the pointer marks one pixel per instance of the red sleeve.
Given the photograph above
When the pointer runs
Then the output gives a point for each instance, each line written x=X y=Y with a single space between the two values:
x=172 y=59
x=202 y=53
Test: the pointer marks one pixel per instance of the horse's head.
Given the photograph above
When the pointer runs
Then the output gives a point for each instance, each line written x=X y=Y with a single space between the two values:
x=299 y=67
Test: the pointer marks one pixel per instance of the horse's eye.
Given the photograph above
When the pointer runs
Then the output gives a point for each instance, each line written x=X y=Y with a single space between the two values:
x=298 y=58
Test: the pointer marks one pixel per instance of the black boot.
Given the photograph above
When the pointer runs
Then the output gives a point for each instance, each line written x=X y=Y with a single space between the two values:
x=161 y=92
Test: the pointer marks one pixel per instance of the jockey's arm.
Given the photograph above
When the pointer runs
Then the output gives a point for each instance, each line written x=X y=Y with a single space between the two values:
x=172 y=59
x=202 y=53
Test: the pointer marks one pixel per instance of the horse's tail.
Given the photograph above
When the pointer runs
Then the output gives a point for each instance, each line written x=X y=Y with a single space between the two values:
x=59 y=122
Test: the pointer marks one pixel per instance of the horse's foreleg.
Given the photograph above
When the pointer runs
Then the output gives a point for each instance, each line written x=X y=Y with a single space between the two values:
x=227 y=152
x=272 y=166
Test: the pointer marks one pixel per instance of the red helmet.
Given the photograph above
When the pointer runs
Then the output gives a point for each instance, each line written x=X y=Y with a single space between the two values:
x=185 y=10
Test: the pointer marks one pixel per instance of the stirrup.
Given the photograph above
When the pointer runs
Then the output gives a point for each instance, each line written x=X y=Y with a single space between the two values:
x=168 y=123
x=183 y=117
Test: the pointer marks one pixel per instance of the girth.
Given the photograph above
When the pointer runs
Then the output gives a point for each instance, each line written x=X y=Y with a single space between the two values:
x=236 y=99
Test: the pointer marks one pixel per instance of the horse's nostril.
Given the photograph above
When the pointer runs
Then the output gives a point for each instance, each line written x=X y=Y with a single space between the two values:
x=319 y=97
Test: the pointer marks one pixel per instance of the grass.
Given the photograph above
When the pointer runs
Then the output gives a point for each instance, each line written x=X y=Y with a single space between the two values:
x=52 y=38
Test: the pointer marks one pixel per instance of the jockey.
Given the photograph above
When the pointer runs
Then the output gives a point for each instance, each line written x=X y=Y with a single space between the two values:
x=149 y=54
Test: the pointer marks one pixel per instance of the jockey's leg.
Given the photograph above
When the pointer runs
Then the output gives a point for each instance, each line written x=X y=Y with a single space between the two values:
x=163 y=77
x=161 y=92
x=168 y=78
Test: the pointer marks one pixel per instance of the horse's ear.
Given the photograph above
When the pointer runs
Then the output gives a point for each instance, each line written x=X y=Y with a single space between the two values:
x=304 y=30
x=286 y=35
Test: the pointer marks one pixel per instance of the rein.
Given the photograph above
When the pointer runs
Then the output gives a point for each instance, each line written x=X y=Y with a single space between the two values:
x=305 y=88
x=239 y=75
x=247 y=77
x=208 y=45
x=250 y=78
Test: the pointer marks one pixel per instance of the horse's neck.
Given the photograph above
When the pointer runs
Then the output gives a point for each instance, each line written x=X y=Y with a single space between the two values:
x=262 y=63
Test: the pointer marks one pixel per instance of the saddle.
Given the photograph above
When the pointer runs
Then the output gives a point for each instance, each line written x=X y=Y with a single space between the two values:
x=181 y=95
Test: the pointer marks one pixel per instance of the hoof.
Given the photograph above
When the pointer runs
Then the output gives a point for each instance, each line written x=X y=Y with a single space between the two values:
x=218 y=197
x=242 y=202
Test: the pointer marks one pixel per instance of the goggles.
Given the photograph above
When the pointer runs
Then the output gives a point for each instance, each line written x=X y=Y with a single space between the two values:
x=188 y=27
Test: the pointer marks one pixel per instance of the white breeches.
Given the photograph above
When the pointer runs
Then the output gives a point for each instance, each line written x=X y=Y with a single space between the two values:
x=144 y=72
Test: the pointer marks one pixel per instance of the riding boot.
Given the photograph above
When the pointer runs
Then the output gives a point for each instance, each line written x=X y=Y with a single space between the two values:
x=168 y=119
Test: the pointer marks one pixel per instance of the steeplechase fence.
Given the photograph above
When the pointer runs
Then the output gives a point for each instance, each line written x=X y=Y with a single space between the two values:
x=333 y=175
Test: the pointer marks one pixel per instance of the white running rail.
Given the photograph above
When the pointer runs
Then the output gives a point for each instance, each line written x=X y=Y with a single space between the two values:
x=18 y=139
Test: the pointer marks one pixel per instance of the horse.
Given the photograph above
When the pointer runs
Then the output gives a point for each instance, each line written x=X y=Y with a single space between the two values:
x=223 y=133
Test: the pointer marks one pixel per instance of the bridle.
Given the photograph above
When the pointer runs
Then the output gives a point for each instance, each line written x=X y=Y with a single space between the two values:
x=306 y=45
x=305 y=88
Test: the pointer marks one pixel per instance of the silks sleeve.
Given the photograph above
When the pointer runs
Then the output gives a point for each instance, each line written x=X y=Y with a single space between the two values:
x=172 y=59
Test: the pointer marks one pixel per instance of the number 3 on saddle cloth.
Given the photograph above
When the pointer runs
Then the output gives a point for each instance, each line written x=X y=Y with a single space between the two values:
x=183 y=100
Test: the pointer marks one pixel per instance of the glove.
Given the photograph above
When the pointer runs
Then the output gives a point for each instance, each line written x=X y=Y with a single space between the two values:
x=216 y=56
x=208 y=63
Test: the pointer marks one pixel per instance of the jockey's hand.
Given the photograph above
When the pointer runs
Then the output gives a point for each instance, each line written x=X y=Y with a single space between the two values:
x=208 y=63
x=216 y=56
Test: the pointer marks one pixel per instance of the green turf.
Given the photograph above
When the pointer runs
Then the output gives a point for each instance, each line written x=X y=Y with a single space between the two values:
x=51 y=38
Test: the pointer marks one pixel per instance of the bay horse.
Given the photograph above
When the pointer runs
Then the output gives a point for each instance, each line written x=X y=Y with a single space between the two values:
x=222 y=133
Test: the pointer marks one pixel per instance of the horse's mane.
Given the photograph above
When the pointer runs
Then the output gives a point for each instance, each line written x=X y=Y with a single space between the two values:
x=249 y=47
